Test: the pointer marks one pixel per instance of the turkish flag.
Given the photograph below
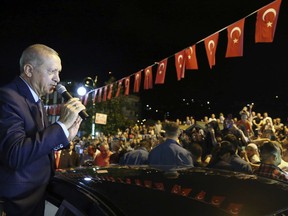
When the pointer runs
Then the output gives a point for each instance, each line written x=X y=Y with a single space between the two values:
x=100 y=95
x=119 y=88
x=110 y=91
x=94 y=95
x=161 y=72
x=85 y=99
x=127 y=85
x=148 y=80
x=137 y=81
x=105 y=93
x=235 y=34
x=180 y=64
x=191 y=59
x=266 y=22
x=210 y=46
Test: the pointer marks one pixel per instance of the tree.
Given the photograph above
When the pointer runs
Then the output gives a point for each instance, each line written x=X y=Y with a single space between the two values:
x=114 y=110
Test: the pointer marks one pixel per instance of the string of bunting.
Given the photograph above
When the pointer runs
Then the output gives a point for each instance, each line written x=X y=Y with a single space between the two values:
x=186 y=59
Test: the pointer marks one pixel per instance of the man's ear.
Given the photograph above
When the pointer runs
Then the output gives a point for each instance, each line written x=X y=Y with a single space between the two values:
x=28 y=70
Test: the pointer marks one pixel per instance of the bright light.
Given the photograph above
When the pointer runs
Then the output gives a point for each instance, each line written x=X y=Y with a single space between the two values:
x=87 y=179
x=81 y=91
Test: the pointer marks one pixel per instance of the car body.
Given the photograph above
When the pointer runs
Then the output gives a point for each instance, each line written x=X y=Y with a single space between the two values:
x=147 y=191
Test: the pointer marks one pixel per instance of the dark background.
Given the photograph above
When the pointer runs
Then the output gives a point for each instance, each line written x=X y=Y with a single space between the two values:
x=97 y=37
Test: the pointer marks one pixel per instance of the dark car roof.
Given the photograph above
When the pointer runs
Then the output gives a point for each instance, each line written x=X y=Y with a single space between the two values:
x=201 y=190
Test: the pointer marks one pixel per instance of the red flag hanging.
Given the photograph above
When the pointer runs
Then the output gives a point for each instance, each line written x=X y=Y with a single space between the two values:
x=266 y=22
x=94 y=96
x=58 y=109
x=161 y=72
x=235 y=34
x=210 y=46
x=100 y=95
x=85 y=99
x=191 y=59
x=148 y=81
x=105 y=93
x=127 y=85
x=137 y=81
x=110 y=91
x=119 y=88
x=180 y=64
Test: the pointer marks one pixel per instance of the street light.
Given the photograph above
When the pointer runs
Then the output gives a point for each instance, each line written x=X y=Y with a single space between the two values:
x=90 y=85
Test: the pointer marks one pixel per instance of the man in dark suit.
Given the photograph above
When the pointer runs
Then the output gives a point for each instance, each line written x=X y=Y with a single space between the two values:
x=68 y=158
x=170 y=154
x=26 y=140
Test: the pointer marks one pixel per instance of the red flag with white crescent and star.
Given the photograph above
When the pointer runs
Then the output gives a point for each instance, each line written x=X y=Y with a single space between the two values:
x=109 y=96
x=148 y=80
x=85 y=99
x=266 y=22
x=191 y=59
x=180 y=64
x=211 y=46
x=94 y=95
x=235 y=34
x=137 y=81
x=127 y=85
x=99 y=95
x=105 y=93
x=161 y=72
x=119 y=88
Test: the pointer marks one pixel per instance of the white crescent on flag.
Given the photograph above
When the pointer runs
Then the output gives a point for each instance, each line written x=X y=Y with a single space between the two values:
x=269 y=10
x=180 y=59
x=191 y=49
x=161 y=68
x=211 y=45
x=235 y=29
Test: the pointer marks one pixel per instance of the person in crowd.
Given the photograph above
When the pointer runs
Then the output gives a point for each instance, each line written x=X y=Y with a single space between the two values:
x=256 y=124
x=170 y=153
x=118 y=150
x=270 y=154
x=68 y=158
x=103 y=158
x=138 y=156
x=250 y=153
x=197 y=154
x=89 y=154
x=225 y=157
x=27 y=142
x=245 y=125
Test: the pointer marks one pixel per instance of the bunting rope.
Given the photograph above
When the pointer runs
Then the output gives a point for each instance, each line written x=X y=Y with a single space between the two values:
x=210 y=43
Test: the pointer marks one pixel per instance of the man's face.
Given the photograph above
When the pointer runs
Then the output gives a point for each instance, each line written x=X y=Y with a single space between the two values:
x=46 y=76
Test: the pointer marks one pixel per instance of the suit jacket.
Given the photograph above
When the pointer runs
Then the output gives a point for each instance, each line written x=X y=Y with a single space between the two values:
x=169 y=154
x=25 y=145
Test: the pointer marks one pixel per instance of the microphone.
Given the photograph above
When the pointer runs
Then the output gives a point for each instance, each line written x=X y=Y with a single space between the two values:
x=66 y=95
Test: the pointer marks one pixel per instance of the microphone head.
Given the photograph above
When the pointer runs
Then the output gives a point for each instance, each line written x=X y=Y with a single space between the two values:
x=60 y=88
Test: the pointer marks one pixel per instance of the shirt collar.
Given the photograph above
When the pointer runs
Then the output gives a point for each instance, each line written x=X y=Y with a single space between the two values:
x=35 y=96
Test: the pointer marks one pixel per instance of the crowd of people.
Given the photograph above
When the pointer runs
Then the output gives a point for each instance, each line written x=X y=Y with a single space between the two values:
x=31 y=148
x=247 y=143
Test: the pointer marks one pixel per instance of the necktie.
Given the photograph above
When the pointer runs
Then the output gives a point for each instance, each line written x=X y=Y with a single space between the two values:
x=40 y=107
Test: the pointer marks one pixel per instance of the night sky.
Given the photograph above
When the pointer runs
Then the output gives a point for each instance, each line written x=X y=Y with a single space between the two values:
x=97 y=37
